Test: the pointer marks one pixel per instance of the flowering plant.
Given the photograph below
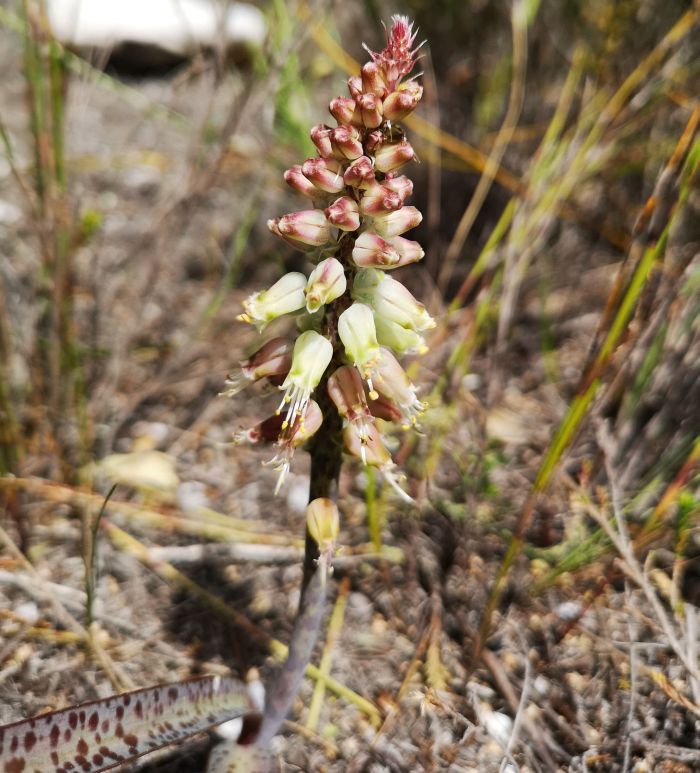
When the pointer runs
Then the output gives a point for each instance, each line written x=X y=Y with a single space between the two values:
x=353 y=313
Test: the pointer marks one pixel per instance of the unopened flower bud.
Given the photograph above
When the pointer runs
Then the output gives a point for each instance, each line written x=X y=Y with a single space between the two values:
x=360 y=174
x=324 y=173
x=370 y=107
x=400 y=184
x=321 y=138
x=372 y=251
x=323 y=523
x=391 y=300
x=400 y=339
x=379 y=199
x=344 y=213
x=312 y=353
x=373 y=81
x=308 y=227
x=285 y=296
x=355 y=86
x=294 y=177
x=346 y=143
x=403 y=101
x=409 y=251
x=345 y=111
x=346 y=390
x=393 y=155
x=359 y=338
x=390 y=380
x=373 y=141
x=395 y=223
x=326 y=283
x=273 y=359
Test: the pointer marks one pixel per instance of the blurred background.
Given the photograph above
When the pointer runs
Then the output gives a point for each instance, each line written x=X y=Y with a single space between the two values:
x=142 y=147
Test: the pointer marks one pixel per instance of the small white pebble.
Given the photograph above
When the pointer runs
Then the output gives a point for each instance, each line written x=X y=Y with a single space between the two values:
x=29 y=611
x=499 y=726
x=568 y=610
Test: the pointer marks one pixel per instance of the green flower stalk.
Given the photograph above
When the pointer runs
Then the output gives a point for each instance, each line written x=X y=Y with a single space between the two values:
x=353 y=313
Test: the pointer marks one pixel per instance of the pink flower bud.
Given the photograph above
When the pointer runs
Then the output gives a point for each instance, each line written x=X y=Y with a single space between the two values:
x=344 y=213
x=373 y=141
x=400 y=184
x=296 y=180
x=345 y=111
x=321 y=138
x=373 y=81
x=409 y=251
x=272 y=360
x=379 y=199
x=355 y=86
x=326 y=283
x=371 y=110
x=308 y=227
x=398 y=222
x=346 y=143
x=324 y=173
x=402 y=102
x=392 y=156
x=371 y=251
x=346 y=390
x=360 y=173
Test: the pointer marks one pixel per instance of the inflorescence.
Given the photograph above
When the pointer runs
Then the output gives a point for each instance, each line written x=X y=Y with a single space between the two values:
x=353 y=314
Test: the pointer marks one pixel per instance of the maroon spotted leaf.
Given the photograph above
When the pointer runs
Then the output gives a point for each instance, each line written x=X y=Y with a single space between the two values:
x=102 y=734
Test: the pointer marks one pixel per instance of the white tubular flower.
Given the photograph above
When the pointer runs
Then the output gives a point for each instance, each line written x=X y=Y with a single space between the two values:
x=356 y=331
x=272 y=360
x=326 y=283
x=285 y=295
x=391 y=300
x=312 y=353
x=400 y=339
x=391 y=381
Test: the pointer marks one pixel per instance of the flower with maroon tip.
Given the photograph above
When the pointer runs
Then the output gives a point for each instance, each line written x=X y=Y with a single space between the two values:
x=399 y=184
x=321 y=138
x=355 y=86
x=270 y=430
x=392 y=156
x=409 y=251
x=370 y=106
x=344 y=213
x=345 y=143
x=372 y=251
x=373 y=81
x=360 y=173
x=347 y=392
x=326 y=283
x=373 y=452
x=345 y=111
x=374 y=140
x=306 y=422
x=383 y=408
x=273 y=359
x=395 y=223
x=306 y=228
x=379 y=199
x=285 y=296
x=294 y=177
x=403 y=101
x=324 y=173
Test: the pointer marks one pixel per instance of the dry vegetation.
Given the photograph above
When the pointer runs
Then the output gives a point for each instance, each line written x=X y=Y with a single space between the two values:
x=538 y=609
